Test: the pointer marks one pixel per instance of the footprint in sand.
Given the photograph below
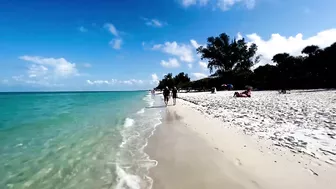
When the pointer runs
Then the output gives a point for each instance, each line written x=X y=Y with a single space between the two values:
x=255 y=184
x=238 y=162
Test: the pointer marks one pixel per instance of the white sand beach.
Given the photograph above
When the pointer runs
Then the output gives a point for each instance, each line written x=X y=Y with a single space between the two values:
x=267 y=141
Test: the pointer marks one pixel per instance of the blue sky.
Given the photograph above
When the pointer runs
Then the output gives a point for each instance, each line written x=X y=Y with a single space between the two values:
x=130 y=44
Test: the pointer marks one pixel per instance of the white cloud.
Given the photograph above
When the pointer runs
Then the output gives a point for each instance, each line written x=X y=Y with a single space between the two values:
x=60 y=67
x=199 y=75
x=82 y=29
x=17 y=77
x=112 y=29
x=292 y=45
x=102 y=82
x=155 y=79
x=239 y=36
x=35 y=70
x=171 y=63
x=127 y=82
x=46 y=72
x=190 y=66
x=227 y=4
x=136 y=81
x=157 y=47
x=115 y=82
x=116 y=43
x=187 y=3
x=154 y=22
x=195 y=44
x=203 y=65
x=184 y=52
x=98 y=82
x=224 y=5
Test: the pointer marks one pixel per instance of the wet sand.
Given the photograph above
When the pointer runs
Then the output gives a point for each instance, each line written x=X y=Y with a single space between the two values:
x=188 y=161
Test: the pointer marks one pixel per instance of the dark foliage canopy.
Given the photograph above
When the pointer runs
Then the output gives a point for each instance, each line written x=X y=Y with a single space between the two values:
x=232 y=62
x=170 y=81
x=224 y=55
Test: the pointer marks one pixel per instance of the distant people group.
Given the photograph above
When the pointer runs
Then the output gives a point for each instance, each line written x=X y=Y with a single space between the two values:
x=166 y=95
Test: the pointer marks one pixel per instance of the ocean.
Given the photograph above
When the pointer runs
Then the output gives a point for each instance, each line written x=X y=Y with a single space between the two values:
x=86 y=140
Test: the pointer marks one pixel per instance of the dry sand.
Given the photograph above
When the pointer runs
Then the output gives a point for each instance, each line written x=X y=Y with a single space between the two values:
x=302 y=122
x=195 y=150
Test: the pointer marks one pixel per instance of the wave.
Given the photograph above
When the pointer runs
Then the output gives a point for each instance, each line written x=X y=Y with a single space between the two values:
x=141 y=111
x=129 y=122
x=133 y=164
x=149 y=99
x=127 y=180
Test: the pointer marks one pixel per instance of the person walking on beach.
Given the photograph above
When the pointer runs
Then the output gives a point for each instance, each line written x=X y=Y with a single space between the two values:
x=166 y=93
x=174 y=95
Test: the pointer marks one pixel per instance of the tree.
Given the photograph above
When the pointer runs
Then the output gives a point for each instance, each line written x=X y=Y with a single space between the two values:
x=280 y=58
x=311 y=50
x=170 y=81
x=225 y=55
x=266 y=77
x=181 y=79
x=231 y=62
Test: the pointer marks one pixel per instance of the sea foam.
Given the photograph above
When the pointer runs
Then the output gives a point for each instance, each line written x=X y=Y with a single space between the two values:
x=129 y=122
x=127 y=180
x=141 y=111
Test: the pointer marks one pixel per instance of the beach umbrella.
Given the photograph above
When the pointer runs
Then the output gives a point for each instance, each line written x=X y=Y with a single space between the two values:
x=224 y=85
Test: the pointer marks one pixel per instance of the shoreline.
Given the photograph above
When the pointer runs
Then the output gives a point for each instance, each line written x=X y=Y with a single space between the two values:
x=187 y=161
x=194 y=150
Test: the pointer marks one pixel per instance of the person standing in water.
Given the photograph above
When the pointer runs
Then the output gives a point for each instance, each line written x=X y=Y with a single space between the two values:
x=166 y=93
x=174 y=95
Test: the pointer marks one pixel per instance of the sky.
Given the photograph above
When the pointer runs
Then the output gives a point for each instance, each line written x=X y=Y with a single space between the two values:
x=82 y=45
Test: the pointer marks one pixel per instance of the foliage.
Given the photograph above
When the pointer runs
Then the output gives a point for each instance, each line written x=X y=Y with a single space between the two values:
x=315 y=70
x=225 y=55
x=231 y=62
x=170 y=81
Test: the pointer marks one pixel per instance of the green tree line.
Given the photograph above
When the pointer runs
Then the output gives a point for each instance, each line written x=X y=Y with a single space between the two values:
x=179 y=81
x=231 y=61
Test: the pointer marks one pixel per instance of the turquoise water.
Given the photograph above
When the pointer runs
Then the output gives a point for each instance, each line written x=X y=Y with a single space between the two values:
x=76 y=140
